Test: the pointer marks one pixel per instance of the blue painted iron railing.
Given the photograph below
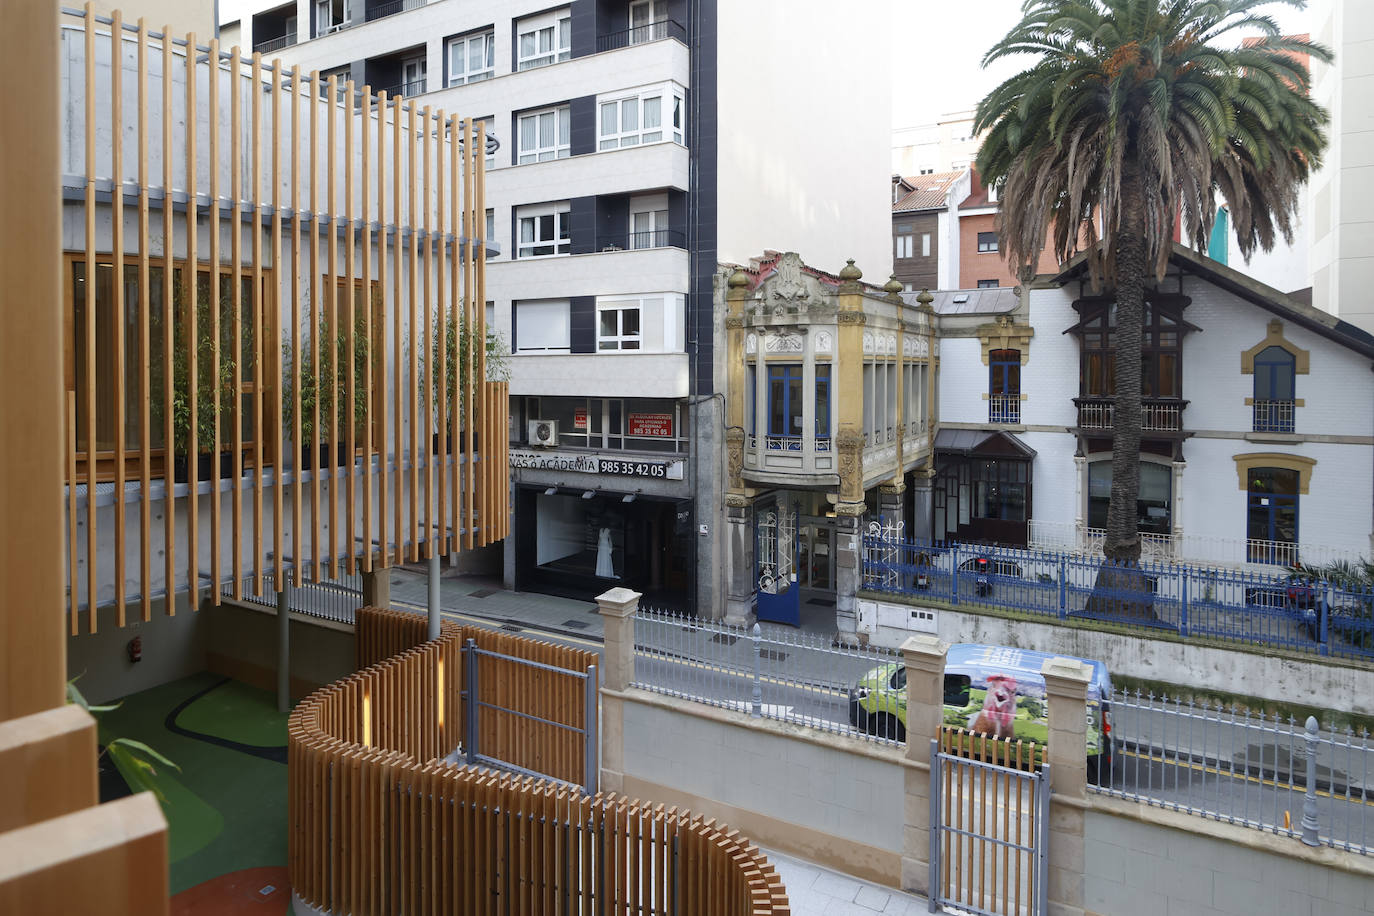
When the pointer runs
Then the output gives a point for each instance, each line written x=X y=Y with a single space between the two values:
x=1288 y=609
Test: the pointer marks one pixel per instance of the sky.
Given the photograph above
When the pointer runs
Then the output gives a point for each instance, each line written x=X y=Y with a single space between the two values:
x=947 y=39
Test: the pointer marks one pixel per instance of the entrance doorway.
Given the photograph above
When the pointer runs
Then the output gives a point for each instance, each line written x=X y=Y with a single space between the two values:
x=817 y=561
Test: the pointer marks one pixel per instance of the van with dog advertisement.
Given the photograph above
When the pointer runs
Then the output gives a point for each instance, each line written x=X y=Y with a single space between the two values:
x=996 y=691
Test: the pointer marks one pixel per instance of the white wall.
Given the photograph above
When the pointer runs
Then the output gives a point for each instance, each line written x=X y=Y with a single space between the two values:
x=804 y=132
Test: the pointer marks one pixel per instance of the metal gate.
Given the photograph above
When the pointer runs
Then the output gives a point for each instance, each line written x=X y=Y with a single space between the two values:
x=561 y=744
x=989 y=820
x=776 y=546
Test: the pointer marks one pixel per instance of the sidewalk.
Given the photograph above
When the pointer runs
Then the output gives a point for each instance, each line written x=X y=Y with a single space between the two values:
x=816 y=889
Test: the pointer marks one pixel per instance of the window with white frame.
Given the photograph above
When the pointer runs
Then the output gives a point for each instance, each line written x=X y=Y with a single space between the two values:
x=904 y=240
x=543 y=230
x=544 y=39
x=544 y=135
x=541 y=325
x=618 y=324
x=639 y=118
x=925 y=244
x=471 y=58
x=649 y=222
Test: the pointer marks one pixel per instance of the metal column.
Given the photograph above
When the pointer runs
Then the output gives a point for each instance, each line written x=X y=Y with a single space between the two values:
x=433 y=596
x=283 y=647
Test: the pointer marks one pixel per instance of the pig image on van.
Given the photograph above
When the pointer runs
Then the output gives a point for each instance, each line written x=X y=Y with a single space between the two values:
x=996 y=691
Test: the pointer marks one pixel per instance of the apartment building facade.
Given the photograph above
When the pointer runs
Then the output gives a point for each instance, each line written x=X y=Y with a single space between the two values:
x=641 y=142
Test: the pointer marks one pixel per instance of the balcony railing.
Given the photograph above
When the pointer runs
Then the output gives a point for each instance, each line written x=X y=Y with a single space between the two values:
x=275 y=44
x=1274 y=416
x=657 y=238
x=382 y=10
x=1156 y=415
x=414 y=87
x=1004 y=408
x=783 y=443
x=653 y=31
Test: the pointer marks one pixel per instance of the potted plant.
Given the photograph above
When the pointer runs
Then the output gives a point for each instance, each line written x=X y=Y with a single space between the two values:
x=215 y=392
x=457 y=342
x=317 y=449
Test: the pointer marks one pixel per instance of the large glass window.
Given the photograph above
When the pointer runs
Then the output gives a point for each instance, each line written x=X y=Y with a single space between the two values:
x=543 y=230
x=904 y=240
x=1275 y=372
x=1272 y=515
x=1161 y=363
x=542 y=40
x=822 y=400
x=999 y=490
x=785 y=405
x=1154 y=502
x=1004 y=386
x=639 y=118
x=544 y=135
x=634 y=424
x=471 y=58
x=618 y=326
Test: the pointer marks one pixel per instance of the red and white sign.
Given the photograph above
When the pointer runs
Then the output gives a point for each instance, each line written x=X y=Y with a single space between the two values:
x=580 y=418
x=652 y=425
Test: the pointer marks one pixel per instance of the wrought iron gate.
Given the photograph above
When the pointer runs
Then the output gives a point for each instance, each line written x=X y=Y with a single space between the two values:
x=775 y=565
x=989 y=820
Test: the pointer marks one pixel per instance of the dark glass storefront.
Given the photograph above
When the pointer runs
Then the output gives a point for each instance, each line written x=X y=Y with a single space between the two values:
x=578 y=546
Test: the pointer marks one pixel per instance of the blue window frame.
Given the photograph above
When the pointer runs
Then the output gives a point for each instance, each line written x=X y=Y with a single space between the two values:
x=752 y=380
x=1004 y=386
x=822 y=400
x=1275 y=370
x=1272 y=516
x=785 y=400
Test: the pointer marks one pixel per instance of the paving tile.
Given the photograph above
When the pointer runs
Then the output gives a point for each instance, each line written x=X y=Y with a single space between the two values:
x=837 y=886
x=869 y=896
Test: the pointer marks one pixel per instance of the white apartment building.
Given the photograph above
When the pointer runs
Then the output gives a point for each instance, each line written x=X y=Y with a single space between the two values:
x=642 y=142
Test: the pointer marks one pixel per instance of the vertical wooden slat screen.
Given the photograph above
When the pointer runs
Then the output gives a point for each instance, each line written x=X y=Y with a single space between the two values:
x=182 y=352
x=380 y=824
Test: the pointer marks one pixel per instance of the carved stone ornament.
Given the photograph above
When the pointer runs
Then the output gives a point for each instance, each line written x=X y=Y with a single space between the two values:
x=824 y=342
x=891 y=345
x=783 y=343
x=751 y=344
x=737 y=501
x=868 y=342
x=788 y=285
x=850 y=509
x=851 y=318
x=851 y=446
x=734 y=322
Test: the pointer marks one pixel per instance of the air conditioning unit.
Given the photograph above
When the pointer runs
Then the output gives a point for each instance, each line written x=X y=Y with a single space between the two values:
x=544 y=433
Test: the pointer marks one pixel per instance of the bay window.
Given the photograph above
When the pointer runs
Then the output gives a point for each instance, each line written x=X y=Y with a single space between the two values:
x=471 y=58
x=648 y=116
x=618 y=324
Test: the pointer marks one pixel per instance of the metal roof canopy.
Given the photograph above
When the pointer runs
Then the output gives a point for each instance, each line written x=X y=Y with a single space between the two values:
x=982 y=443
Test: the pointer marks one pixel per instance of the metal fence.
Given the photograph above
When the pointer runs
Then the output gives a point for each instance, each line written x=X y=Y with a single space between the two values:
x=769 y=671
x=1266 y=772
x=333 y=599
x=1279 y=608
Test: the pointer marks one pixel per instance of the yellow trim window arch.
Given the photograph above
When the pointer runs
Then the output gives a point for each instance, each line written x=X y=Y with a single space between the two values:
x=1246 y=463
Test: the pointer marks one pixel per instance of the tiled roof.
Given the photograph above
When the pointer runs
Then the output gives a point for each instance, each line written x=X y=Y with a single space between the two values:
x=929 y=193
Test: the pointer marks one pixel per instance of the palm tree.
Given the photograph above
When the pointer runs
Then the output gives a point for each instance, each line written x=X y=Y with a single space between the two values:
x=1137 y=113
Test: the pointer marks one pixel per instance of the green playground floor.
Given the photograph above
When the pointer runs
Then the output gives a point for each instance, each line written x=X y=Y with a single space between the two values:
x=226 y=807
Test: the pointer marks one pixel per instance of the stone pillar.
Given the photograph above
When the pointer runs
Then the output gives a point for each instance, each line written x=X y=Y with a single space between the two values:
x=1066 y=692
x=848 y=570
x=892 y=505
x=740 y=579
x=918 y=526
x=377 y=588
x=924 y=656
x=617 y=608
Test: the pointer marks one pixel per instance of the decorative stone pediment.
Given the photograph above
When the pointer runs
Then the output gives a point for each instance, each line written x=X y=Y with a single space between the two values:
x=783 y=343
x=1302 y=359
x=1005 y=334
x=788 y=284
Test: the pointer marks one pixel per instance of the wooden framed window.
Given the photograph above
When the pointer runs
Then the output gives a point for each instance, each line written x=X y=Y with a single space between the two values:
x=227 y=393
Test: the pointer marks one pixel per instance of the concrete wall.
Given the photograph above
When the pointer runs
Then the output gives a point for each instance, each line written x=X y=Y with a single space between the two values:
x=832 y=800
x=1323 y=683
x=173 y=647
x=243 y=645
x=1148 y=861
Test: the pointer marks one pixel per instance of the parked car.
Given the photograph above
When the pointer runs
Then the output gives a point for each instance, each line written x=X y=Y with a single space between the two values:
x=995 y=690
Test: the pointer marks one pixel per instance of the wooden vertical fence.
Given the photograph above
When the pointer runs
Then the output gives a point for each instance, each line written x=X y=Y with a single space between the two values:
x=289 y=352
x=379 y=823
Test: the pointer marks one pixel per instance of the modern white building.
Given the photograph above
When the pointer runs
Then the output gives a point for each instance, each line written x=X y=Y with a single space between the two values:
x=947 y=145
x=1258 y=444
x=1341 y=198
x=642 y=142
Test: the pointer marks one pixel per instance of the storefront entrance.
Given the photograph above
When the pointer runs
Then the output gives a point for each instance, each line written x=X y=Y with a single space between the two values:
x=571 y=544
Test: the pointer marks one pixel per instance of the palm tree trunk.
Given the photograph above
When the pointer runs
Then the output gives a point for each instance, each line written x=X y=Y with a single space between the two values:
x=1122 y=543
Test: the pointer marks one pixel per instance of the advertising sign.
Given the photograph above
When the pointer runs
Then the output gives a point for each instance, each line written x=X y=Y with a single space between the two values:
x=580 y=418
x=652 y=425
x=671 y=469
